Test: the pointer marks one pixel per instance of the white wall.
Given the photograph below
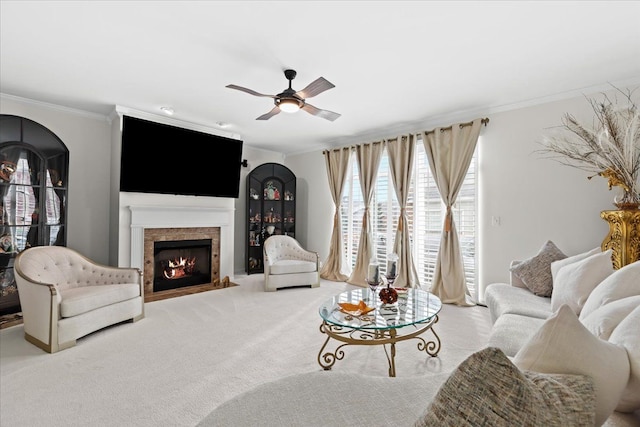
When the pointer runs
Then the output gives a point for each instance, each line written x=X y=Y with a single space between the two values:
x=314 y=208
x=536 y=199
x=87 y=136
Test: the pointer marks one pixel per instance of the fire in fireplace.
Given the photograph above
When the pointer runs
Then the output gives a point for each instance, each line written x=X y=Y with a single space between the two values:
x=180 y=263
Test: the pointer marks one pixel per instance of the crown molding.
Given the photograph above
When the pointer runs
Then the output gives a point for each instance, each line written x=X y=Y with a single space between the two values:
x=120 y=111
x=446 y=119
x=74 y=111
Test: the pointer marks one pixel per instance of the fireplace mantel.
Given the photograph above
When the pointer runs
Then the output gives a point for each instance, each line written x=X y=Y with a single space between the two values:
x=182 y=217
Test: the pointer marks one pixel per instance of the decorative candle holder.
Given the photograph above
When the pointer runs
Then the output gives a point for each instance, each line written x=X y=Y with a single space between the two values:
x=388 y=295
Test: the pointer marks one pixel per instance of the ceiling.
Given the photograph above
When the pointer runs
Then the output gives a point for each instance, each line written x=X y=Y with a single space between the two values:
x=396 y=66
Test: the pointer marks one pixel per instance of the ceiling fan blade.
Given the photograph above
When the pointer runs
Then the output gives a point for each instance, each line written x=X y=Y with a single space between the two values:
x=267 y=116
x=250 y=91
x=315 y=87
x=325 y=114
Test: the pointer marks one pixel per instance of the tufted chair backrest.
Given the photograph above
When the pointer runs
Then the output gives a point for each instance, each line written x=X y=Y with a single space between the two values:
x=283 y=247
x=66 y=268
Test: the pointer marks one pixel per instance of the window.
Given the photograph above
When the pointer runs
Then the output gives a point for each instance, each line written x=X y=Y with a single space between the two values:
x=425 y=212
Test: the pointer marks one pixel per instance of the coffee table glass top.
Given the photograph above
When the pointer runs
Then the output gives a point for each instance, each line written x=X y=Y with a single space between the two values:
x=414 y=307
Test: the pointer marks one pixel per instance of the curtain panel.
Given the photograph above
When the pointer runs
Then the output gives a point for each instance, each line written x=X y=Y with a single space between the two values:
x=337 y=163
x=401 y=152
x=449 y=151
x=368 y=156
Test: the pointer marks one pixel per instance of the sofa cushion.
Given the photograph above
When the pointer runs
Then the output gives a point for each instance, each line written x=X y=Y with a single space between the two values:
x=511 y=331
x=574 y=282
x=82 y=299
x=290 y=266
x=488 y=390
x=557 y=265
x=627 y=334
x=502 y=298
x=602 y=321
x=621 y=284
x=535 y=272
x=564 y=346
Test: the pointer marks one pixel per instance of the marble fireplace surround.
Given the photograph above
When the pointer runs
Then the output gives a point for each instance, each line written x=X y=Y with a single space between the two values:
x=178 y=223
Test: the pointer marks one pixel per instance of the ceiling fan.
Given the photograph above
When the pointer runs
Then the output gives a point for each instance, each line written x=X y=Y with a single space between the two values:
x=291 y=101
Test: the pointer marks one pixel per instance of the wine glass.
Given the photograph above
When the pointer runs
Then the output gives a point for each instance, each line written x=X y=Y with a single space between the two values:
x=373 y=285
x=373 y=279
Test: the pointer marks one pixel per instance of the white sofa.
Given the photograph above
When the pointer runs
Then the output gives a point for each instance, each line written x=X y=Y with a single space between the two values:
x=518 y=316
x=287 y=264
x=65 y=296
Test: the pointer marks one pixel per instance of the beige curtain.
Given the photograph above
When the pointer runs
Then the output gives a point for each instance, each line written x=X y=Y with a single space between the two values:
x=401 y=151
x=368 y=156
x=449 y=151
x=337 y=163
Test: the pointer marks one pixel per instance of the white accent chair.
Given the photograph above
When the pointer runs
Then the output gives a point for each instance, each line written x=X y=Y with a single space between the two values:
x=287 y=264
x=65 y=296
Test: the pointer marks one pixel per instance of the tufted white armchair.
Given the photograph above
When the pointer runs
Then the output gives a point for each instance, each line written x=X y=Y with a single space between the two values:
x=65 y=296
x=287 y=264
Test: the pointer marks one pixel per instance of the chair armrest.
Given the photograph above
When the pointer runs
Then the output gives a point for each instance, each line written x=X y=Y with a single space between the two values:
x=309 y=255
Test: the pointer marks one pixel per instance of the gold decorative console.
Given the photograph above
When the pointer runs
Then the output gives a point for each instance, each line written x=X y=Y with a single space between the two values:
x=623 y=237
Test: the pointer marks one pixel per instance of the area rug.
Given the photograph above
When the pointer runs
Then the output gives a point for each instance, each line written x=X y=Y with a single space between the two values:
x=191 y=353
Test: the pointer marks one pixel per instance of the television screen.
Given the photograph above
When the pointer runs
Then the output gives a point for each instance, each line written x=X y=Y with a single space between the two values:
x=164 y=159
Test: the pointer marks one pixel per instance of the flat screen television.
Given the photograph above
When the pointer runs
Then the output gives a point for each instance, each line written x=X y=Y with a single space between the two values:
x=164 y=159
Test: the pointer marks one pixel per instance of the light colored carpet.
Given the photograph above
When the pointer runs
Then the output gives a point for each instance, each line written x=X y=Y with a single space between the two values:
x=191 y=353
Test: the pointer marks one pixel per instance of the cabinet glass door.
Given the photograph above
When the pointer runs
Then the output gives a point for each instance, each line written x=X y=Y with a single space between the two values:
x=33 y=196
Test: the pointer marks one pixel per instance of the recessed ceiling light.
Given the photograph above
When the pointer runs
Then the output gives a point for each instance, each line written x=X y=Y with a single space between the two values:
x=167 y=110
x=223 y=124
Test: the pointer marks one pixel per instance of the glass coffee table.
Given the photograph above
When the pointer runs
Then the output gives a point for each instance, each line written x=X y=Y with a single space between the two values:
x=415 y=313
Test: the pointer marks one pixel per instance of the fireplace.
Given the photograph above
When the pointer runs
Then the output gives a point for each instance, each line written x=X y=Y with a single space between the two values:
x=180 y=263
x=165 y=249
x=149 y=224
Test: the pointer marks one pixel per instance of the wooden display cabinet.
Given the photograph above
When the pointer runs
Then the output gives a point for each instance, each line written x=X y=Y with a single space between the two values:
x=33 y=188
x=271 y=210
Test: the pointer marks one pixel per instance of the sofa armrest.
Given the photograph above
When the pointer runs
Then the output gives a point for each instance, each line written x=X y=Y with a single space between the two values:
x=515 y=280
x=39 y=303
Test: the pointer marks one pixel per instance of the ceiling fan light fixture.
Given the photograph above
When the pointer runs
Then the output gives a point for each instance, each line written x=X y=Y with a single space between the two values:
x=291 y=101
x=289 y=105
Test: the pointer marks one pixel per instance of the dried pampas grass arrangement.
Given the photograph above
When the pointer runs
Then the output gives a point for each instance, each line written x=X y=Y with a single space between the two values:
x=610 y=147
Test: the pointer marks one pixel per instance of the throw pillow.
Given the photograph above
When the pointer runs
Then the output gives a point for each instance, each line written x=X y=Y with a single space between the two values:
x=557 y=265
x=535 y=272
x=606 y=318
x=575 y=282
x=563 y=346
x=622 y=283
x=488 y=390
x=627 y=334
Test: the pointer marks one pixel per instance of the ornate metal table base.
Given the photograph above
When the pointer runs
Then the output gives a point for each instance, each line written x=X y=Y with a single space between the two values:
x=391 y=336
